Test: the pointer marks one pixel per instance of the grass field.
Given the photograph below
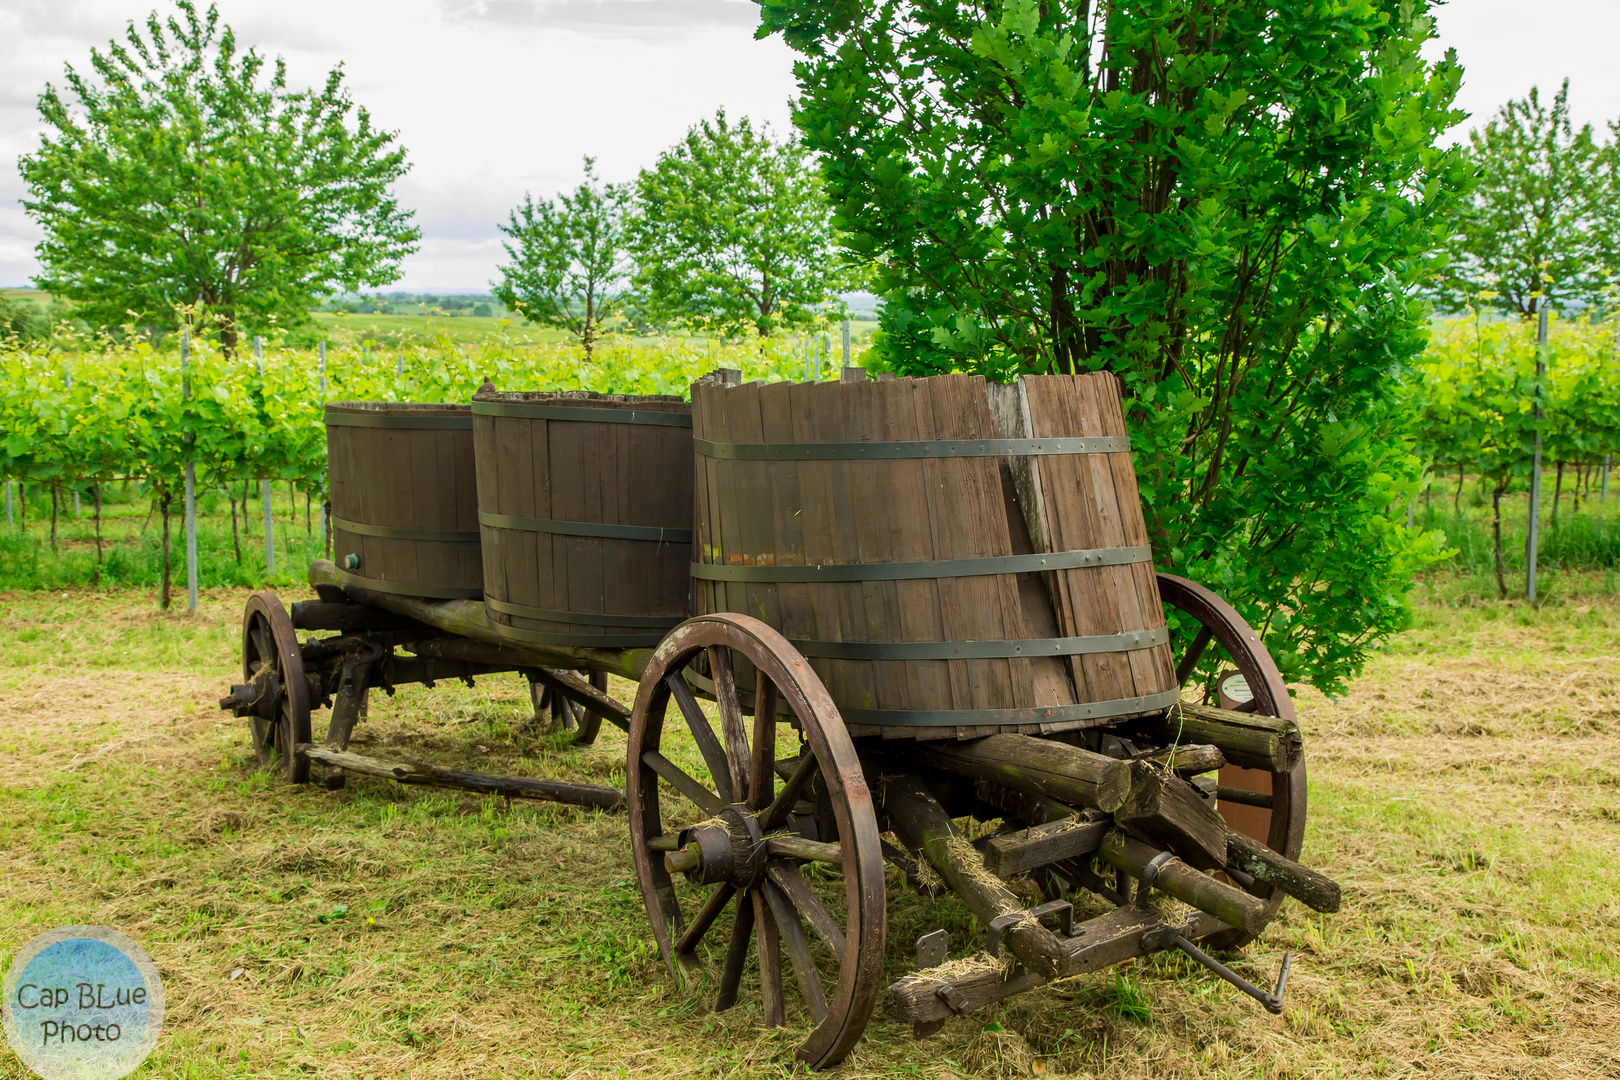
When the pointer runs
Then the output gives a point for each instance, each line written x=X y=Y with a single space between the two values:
x=1466 y=793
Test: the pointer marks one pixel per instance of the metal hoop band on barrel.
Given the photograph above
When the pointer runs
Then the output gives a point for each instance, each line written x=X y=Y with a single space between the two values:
x=396 y=532
x=524 y=410
x=884 y=451
x=938 y=568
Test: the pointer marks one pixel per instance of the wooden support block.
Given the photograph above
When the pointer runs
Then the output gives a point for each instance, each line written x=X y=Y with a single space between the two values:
x=1026 y=850
x=1039 y=766
x=1167 y=812
x=517 y=787
x=1316 y=891
x=1247 y=739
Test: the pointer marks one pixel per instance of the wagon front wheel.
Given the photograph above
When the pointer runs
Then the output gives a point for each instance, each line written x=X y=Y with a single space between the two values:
x=275 y=688
x=722 y=874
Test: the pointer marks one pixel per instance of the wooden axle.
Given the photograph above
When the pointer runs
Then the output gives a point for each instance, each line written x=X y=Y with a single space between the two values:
x=516 y=787
x=1234 y=907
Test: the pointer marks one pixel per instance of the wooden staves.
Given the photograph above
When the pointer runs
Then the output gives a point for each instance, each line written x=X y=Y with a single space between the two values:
x=585 y=502
x=404 y=498
x=878 y=526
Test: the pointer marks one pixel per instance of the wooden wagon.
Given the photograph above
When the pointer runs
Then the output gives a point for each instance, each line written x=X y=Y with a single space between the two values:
x=880 y=608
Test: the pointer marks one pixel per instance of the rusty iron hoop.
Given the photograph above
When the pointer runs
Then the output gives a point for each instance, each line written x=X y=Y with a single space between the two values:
x=281 y=724
x=859 y=974
x=1285 y=833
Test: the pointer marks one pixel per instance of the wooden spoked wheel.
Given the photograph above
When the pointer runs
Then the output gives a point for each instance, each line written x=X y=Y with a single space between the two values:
x=719 y=869
x=272 y=665
x=568 y=715
x=1281 y=826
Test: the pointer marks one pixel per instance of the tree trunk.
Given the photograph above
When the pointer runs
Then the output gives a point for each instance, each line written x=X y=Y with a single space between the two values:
x=1496 y=530
x=163 y=596
x=1558 y=489
x=1456 y=500
x=309 y=530
x=55 y=499
x=22 y=506
x=236 y=537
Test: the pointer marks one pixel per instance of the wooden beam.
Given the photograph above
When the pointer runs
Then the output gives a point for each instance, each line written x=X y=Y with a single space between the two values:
x=1247 y=739
x=922 y=825
x=1038 y=766
x=1168 y=812
x=1314 y=890
x=516 y=787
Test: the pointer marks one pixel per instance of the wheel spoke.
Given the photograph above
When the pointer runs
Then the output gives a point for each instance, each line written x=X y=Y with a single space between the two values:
x=705 y=918
x=786 y=876
x=777 y=812
x=798 y=948
x=714 y=755
x=770 y=960
x=762 y=767
x=1195 y=653
x=702 y=797
x=731 y=724
x=736 y=954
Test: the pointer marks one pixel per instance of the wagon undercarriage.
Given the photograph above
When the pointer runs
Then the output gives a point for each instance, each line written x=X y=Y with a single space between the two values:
x=1109 y=846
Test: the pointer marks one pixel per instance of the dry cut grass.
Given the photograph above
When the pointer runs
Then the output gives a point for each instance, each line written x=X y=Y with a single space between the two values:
x=1467 y=795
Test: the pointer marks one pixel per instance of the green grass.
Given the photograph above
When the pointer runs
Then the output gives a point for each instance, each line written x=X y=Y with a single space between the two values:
x=1464 y=794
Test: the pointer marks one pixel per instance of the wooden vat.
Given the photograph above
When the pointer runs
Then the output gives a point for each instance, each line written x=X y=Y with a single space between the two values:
x=885 y=528
x=404 y=498
x=585 y=503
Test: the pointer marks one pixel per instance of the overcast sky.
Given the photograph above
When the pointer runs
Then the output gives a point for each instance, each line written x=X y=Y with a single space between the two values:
x=493 y=98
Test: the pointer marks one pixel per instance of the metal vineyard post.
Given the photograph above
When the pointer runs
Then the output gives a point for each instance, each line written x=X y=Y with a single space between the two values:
x=264 y=484
x=191 y=480
x=1535 y=460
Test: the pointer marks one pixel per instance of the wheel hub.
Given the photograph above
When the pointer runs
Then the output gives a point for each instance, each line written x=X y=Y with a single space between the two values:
x=729 y=848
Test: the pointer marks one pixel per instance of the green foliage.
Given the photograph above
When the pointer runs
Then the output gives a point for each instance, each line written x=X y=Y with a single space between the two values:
x=184 y=177
x=1541 y=220
x=1228 y=204
x=131 y=409
x=568 y=265
x=1472 y=399
x=733 y=233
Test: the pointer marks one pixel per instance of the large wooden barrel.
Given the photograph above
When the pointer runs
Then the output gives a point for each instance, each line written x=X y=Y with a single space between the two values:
x=953 y=558
x=404 y=498
x=585 y=502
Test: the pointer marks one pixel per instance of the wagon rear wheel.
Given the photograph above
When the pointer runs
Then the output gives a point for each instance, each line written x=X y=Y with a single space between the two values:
x=1281 y=825
x=278 y=716
x=566 y=715
x=720 y=870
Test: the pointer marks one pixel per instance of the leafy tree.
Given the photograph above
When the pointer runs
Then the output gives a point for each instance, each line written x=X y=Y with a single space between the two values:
x=734 y=232
x=569 y=263
x=1227 y=203
x=185 y=175
x=1538 y=224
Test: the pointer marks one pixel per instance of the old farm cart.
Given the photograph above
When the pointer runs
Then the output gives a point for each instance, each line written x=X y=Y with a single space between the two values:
x=908 y=604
